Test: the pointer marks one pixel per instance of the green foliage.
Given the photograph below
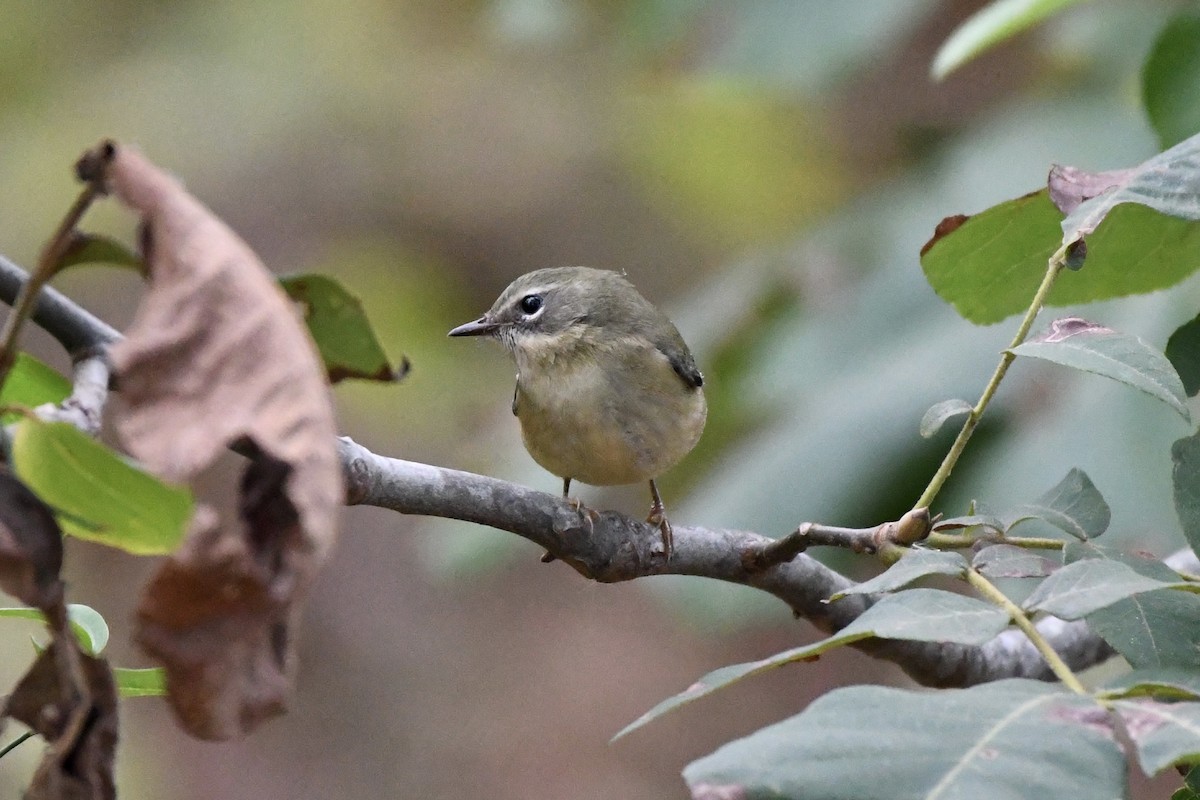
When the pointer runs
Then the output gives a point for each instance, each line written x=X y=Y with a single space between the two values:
x=347 y=343
x=1115 y=355
x=96 y=494
x=86 y=623
x=147 y=682
x=1171 y=79
x=924 y=615
x=31 y=383
x=995 y=23
x=988 y=265
x=1014 y=738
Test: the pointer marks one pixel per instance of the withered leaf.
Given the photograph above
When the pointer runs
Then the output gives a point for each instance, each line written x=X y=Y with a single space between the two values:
x=31 y=549
x=1071 y=186
x=216 y=357
x=70 y=700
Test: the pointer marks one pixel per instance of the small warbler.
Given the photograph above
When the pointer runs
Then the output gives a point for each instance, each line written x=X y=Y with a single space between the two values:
x=607 y=392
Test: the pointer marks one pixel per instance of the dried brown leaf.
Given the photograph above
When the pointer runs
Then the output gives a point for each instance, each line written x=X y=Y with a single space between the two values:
x=214 y=358
x=70 y=700
x=31 y=550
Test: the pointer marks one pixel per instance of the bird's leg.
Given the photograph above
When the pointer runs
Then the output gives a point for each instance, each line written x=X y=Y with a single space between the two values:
x=575 y=502
x=658 y=516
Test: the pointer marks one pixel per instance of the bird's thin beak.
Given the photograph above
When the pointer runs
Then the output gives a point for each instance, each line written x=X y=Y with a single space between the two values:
x=480 y=327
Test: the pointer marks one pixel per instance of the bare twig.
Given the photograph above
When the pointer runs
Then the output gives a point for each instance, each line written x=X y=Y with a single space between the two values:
x=610 y=547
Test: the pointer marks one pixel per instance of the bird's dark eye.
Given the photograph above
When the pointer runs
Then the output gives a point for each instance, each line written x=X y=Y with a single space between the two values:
x=530 y=303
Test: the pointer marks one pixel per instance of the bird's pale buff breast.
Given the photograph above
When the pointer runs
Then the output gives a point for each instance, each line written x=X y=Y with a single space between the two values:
x=594 y=425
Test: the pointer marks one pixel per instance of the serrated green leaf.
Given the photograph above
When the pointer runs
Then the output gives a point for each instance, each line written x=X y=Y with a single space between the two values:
x=1074 y=506
x=877 y=743
x=1163 y=733
x=916 y=563
x=1011 y=561
x=941 y=413
x=926 y=615
x=1183 y=351
x=149 y=682
x=1185 y=477
x=1092 y=348
x=1171 y=79
x=31 y=383
x=345 y=339
x=1086 y=586
x=1171 y=683
x=988 y=27
x=98 y=495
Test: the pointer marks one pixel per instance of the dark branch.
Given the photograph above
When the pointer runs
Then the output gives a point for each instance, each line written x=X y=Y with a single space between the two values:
x=610 y=547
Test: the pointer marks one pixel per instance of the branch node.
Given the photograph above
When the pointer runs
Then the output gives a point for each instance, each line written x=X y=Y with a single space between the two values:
x=776 y=551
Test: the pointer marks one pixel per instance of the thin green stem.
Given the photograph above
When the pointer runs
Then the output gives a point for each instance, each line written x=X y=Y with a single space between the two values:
x=1054 y=267
x=8 y=748
x=48 y=264
x=1057 y=665
x=952 y=540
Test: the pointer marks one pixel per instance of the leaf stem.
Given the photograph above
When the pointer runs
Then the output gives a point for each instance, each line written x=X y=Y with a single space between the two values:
x=51 y=258
x=8 y=748
x=953 y=540
x=1057 y=665
x=1053 y=268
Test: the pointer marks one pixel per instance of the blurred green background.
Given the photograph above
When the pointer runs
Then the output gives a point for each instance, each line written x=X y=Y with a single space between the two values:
x=766 y=170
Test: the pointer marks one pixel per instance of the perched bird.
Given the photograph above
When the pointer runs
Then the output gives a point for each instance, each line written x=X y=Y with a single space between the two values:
x=607 y=392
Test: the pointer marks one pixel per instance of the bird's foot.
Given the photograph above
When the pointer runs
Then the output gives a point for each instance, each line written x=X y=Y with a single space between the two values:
x=589 y=517
x=658 y=518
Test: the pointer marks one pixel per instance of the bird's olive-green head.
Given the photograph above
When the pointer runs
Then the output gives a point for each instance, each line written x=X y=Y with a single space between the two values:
x=552 y=301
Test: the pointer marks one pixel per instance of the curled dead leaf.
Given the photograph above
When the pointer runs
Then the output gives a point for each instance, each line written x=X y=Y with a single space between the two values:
x=31 y=550
x=69 y=699
x=216 y=357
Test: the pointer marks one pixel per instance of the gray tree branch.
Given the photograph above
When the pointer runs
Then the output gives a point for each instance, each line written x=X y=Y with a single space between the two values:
x=611 y=547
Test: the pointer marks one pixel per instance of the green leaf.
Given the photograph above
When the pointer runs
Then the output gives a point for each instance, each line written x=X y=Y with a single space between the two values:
x=1168 y=683
x=1183 y=351
x=940 y=413
x=1074 y=506
x=1085 y=586
x=149 y=682
x=916 y=563
x=89 y=627
x=31 y=383
x=98 y=495
x=877 y=743
x=926 y=615
x=1171 y=79
x=990 y=521
x=93 y=248
x=338 y=324
x=1185 y=475
x=1191 y=786
x=1085 y=346
x=1010 y=561
x=1163 y=733
x=988 y=27
x=989 y=265
x=1165 y=182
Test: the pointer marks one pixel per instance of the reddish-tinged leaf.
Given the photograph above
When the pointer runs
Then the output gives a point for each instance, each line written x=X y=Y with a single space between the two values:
x=1071 y=186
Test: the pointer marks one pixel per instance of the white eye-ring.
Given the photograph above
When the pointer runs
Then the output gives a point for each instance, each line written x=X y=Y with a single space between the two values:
x=531 y=304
